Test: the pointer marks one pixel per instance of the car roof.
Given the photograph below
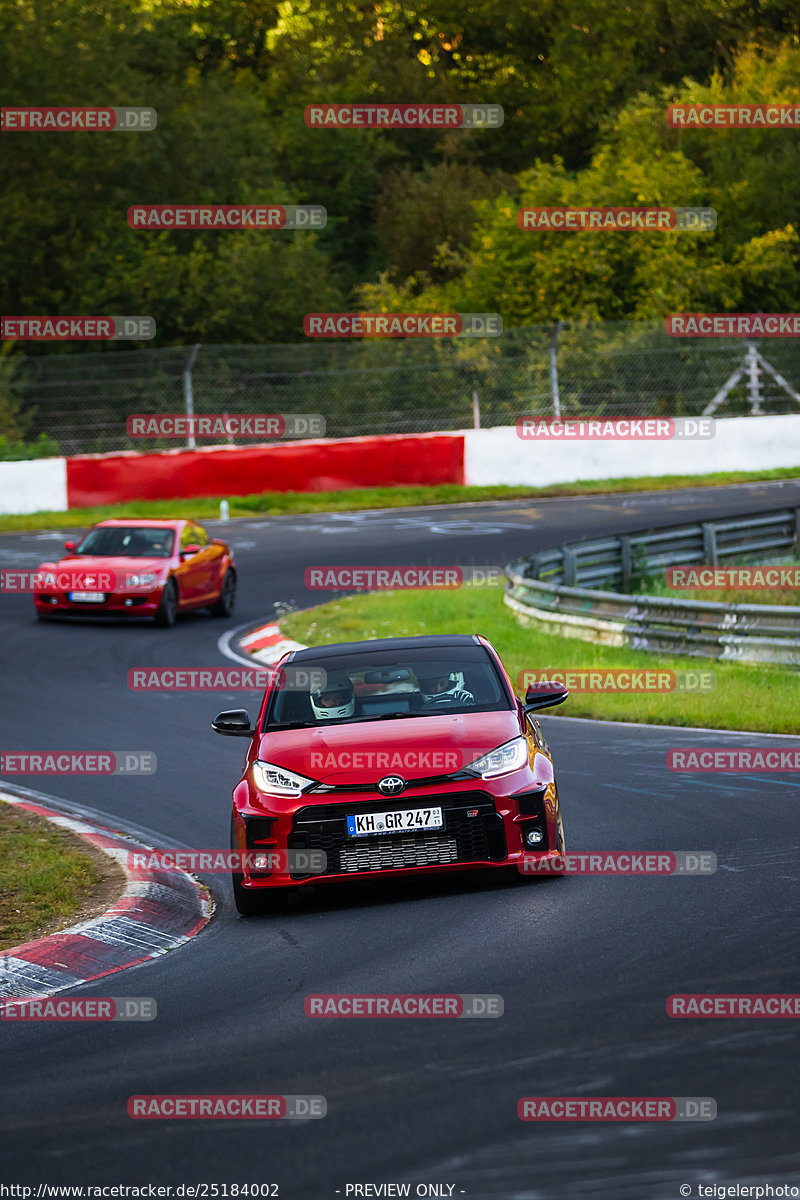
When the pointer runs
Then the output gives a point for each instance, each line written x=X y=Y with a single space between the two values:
x=428 y=642
x=143 y=522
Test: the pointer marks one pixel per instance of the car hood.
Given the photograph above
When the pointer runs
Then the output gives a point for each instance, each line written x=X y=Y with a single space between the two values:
x=118 y=562
x=414 y=747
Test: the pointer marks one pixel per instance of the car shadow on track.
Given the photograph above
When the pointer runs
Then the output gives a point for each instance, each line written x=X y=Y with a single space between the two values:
x=322 y=898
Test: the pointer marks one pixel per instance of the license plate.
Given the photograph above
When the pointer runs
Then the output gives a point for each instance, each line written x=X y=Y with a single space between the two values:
x=88 y=597
x=402 y=820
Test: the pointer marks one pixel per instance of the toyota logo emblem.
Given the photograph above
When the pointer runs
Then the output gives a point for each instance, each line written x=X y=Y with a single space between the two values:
x=392 y=785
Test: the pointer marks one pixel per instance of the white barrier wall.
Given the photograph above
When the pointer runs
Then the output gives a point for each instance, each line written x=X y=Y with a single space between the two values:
x=490 y=456
x=36 y=485
x=498 y=456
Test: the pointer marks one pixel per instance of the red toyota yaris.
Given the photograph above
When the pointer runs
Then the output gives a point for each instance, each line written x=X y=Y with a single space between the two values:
x=139 y=568
x=386 y=758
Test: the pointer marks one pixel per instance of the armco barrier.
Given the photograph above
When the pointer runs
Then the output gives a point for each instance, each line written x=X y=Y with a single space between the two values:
x=541 y=590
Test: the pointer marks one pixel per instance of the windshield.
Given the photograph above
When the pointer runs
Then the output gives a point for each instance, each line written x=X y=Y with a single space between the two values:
x=134 y=542
x=387 y=684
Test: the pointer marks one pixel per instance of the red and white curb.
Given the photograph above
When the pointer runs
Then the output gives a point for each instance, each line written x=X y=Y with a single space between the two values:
x=157 y=912
x=267 y=644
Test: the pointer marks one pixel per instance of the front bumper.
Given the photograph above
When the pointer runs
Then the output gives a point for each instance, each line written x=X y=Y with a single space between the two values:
x=115 y=604
x=484 y=827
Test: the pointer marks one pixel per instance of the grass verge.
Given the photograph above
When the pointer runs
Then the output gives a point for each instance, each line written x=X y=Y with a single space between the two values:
x=49 y=877
x=762 y=699
x=274 y=504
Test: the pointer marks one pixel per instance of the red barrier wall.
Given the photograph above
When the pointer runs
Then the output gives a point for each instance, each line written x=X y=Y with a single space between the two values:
x=313 y=466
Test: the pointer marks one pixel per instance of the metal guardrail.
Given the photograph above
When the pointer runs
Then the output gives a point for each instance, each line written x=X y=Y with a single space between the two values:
x=544 y=589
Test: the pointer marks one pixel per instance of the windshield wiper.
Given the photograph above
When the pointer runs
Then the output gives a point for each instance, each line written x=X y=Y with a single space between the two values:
x=393 y=716
x=292 y=725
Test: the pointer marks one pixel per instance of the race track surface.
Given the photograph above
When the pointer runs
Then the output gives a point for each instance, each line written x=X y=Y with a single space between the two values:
x=584 y=964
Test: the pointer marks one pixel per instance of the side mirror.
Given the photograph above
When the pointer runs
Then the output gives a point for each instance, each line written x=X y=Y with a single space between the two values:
x=70 y=546
x=544 y=695
x=234 y=723
x=193 y=549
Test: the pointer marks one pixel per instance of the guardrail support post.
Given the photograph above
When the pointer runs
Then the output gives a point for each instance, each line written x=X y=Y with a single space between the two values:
x=625 y=557
x=569 y=566
x=710 y=543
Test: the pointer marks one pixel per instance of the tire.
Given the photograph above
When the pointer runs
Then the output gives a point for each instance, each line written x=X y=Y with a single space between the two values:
x=256 y=902
x=560 y=845
x=168 y=608
x=224 y=605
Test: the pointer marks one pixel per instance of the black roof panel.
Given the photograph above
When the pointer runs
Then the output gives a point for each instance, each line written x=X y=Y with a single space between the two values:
x=429 y=641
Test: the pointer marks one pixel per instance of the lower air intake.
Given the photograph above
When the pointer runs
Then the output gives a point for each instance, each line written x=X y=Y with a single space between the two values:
x=384 y=853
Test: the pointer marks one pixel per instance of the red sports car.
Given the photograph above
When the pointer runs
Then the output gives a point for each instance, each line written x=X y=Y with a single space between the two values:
x=386 y=758
x=139 y=568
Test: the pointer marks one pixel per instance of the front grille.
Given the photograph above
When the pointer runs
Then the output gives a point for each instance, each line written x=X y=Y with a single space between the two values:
x=464 y=838
x=384 y=853
x=321 y=789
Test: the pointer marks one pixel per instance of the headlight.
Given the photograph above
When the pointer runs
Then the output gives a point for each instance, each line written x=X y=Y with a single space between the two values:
x=277 y=781
x=508 y=757
x=147 y=580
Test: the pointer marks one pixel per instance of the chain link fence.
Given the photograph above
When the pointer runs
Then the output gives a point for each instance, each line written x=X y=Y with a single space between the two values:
x=610 y=368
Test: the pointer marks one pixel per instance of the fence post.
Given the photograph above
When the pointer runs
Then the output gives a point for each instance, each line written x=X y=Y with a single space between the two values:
x=554 y=370
x=476 y=410
x=188 y=394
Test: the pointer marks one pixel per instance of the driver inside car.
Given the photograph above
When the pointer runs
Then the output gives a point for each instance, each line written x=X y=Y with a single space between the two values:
x=334 y=701
x=441 y=688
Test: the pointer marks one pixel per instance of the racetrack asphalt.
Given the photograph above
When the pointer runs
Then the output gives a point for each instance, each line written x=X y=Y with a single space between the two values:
x=584 y=964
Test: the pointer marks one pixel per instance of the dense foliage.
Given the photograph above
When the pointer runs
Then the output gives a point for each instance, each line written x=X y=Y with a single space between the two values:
x=416 y=219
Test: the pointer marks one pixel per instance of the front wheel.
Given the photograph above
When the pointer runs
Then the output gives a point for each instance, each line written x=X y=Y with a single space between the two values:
x=254 y=902
x=168 y=608
x=223 y=607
